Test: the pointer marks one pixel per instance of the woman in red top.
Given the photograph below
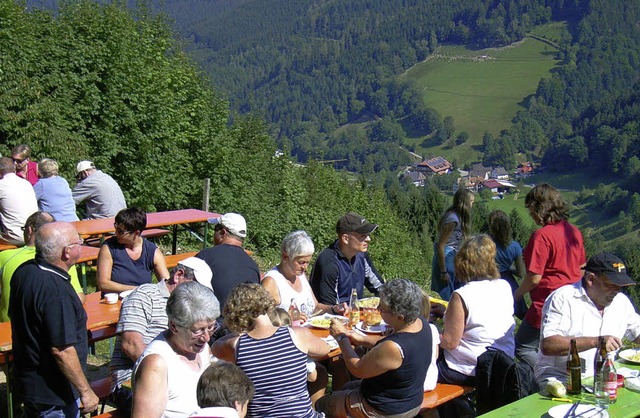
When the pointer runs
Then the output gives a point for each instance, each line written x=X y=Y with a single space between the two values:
x=554 y=257
x=25 y=168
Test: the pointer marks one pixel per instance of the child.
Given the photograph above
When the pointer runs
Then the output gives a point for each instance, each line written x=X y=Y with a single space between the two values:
x=223 y=391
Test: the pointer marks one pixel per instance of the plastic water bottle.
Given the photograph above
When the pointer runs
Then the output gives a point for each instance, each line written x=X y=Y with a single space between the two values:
x=610 y=377
x=599 y=390
x=294 y=313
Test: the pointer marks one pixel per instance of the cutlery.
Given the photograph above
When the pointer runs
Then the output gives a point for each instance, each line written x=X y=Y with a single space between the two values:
x=571 y=413
x=584 y=413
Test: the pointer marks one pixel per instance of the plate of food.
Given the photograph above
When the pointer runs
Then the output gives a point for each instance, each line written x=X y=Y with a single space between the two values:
x=371 y=329
x=582 y=410
x=324 y=321
x=632 y=355
x=369 y=302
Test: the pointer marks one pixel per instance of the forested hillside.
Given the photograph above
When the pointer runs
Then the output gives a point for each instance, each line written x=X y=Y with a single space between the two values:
x=92 y=82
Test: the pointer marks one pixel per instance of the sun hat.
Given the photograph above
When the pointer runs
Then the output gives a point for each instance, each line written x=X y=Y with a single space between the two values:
x=234 y=222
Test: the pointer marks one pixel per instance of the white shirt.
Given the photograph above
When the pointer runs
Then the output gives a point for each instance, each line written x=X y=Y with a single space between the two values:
x=432 y=372
x=216 y=412
x=490 y=323
x=304 y=298
x=568 y=311
x=17 y=203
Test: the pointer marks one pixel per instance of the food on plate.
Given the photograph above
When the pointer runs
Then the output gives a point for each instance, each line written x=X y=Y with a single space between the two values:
x=369 y=302
x=320 y=322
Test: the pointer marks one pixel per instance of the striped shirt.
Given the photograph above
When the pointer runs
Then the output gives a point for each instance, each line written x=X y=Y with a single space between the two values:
x=143 y=311
x=278 y=371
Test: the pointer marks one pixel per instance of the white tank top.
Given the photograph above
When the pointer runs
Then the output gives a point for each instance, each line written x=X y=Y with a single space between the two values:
x=490 y=324
x=181 y=379
x=304 y=298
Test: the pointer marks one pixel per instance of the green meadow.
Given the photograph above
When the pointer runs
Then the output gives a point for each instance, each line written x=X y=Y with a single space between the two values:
x=481 y=89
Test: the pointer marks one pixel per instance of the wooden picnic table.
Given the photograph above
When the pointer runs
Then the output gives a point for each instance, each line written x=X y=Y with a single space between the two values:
x=173 y=218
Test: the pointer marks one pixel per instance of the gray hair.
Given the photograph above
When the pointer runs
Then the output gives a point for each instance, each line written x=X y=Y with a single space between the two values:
x=48 y=167
x=51 y=239
x=191 y=302
x=296 y=244
x=402 y=297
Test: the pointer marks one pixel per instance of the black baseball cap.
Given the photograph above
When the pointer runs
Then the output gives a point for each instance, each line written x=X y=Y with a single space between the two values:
x=612 y=267
x=352 y=222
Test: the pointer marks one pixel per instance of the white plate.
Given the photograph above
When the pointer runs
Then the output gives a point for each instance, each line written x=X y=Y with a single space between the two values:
x=561 y=410
x=627 y=354
x=323 y=318
x=375 y=329
x=125 y=293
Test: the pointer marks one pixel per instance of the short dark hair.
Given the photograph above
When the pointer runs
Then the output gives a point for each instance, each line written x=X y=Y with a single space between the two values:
x=7 y=166
x=132 y=219
x=223 y=384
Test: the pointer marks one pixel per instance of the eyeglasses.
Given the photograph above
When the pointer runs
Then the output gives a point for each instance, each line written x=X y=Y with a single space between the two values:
x=19 y=161
x=79 y=242
x=200 y=332
x=120 y=230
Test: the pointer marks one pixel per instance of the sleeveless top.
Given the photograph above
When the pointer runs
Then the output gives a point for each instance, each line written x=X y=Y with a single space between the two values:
x=304 y=299
x=400 y=390
x=278 y=370
x=489 y=324
x=128 y=271
x=182 y=380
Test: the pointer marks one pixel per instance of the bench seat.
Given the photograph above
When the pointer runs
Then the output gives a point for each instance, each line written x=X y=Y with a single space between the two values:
x=441 y=394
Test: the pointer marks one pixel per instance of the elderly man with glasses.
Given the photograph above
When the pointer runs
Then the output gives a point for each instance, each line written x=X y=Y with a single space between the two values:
x=49 y=328
x=345 y=265
x=142 y=317
x=590 y=308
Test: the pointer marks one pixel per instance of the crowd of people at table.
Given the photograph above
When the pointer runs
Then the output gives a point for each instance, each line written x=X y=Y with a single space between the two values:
x=213 y=338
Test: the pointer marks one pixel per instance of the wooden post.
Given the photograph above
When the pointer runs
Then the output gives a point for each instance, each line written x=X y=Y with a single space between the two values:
x=205 y=194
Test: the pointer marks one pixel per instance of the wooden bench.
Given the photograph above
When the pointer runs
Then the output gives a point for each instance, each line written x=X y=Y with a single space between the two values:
x=174 y=259
x=441 y=394
x=99 y=334
x=110 y=414
x=102 y=389
x=147 y=233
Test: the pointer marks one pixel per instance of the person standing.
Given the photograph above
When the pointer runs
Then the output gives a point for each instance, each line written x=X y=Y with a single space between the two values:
x=50 y=339
x=554 y=257
x=25 y=168
x=344 y=265
x=454 y=226
x=17 y=203
x=53 y=192
x=103 y=196
x=229 y=262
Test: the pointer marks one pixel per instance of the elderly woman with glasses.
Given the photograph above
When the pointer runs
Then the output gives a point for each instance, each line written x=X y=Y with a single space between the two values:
x=25 y=168
x=394 y=370
x=166 y=375
x=127 y=260
x=274 y=358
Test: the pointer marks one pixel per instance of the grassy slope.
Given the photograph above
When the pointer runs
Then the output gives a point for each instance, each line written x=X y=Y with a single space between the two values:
x=481 y=94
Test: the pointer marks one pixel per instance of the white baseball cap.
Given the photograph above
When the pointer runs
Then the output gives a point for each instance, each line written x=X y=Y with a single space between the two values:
x=200 y=269
x=234 y=222
x=84 y=165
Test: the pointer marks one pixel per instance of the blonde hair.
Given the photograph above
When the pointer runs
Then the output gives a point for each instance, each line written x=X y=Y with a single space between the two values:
x=279 y=317
x=47 y=168
x=476 y=260
x=245 y=303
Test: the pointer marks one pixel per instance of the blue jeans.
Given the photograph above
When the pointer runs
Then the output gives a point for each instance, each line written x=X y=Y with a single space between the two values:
x=462 y=406
x=444 y=289
x=37 y=410
x=527 y=343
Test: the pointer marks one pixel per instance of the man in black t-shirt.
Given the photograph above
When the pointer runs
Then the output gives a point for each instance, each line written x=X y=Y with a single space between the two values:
x=49 y=328
x=229 y=262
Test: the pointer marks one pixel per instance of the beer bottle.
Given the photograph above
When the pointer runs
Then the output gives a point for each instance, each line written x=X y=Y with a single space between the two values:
x=574 y=378
x=354 y=310
x=599 y=389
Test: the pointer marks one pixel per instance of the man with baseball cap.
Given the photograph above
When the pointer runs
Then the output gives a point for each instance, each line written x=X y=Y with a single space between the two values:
x=583 y=311
x=142 y=317
x=229 y=262
x=100 y=192
x=345 y=265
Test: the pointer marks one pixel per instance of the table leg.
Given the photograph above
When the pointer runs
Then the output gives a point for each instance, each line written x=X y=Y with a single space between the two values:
x=175 y=239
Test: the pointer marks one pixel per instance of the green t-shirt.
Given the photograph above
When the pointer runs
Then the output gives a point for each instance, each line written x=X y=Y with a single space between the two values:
x=10 y=260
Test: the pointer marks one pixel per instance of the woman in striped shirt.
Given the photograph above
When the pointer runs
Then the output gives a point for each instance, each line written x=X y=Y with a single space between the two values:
x=273 y=357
